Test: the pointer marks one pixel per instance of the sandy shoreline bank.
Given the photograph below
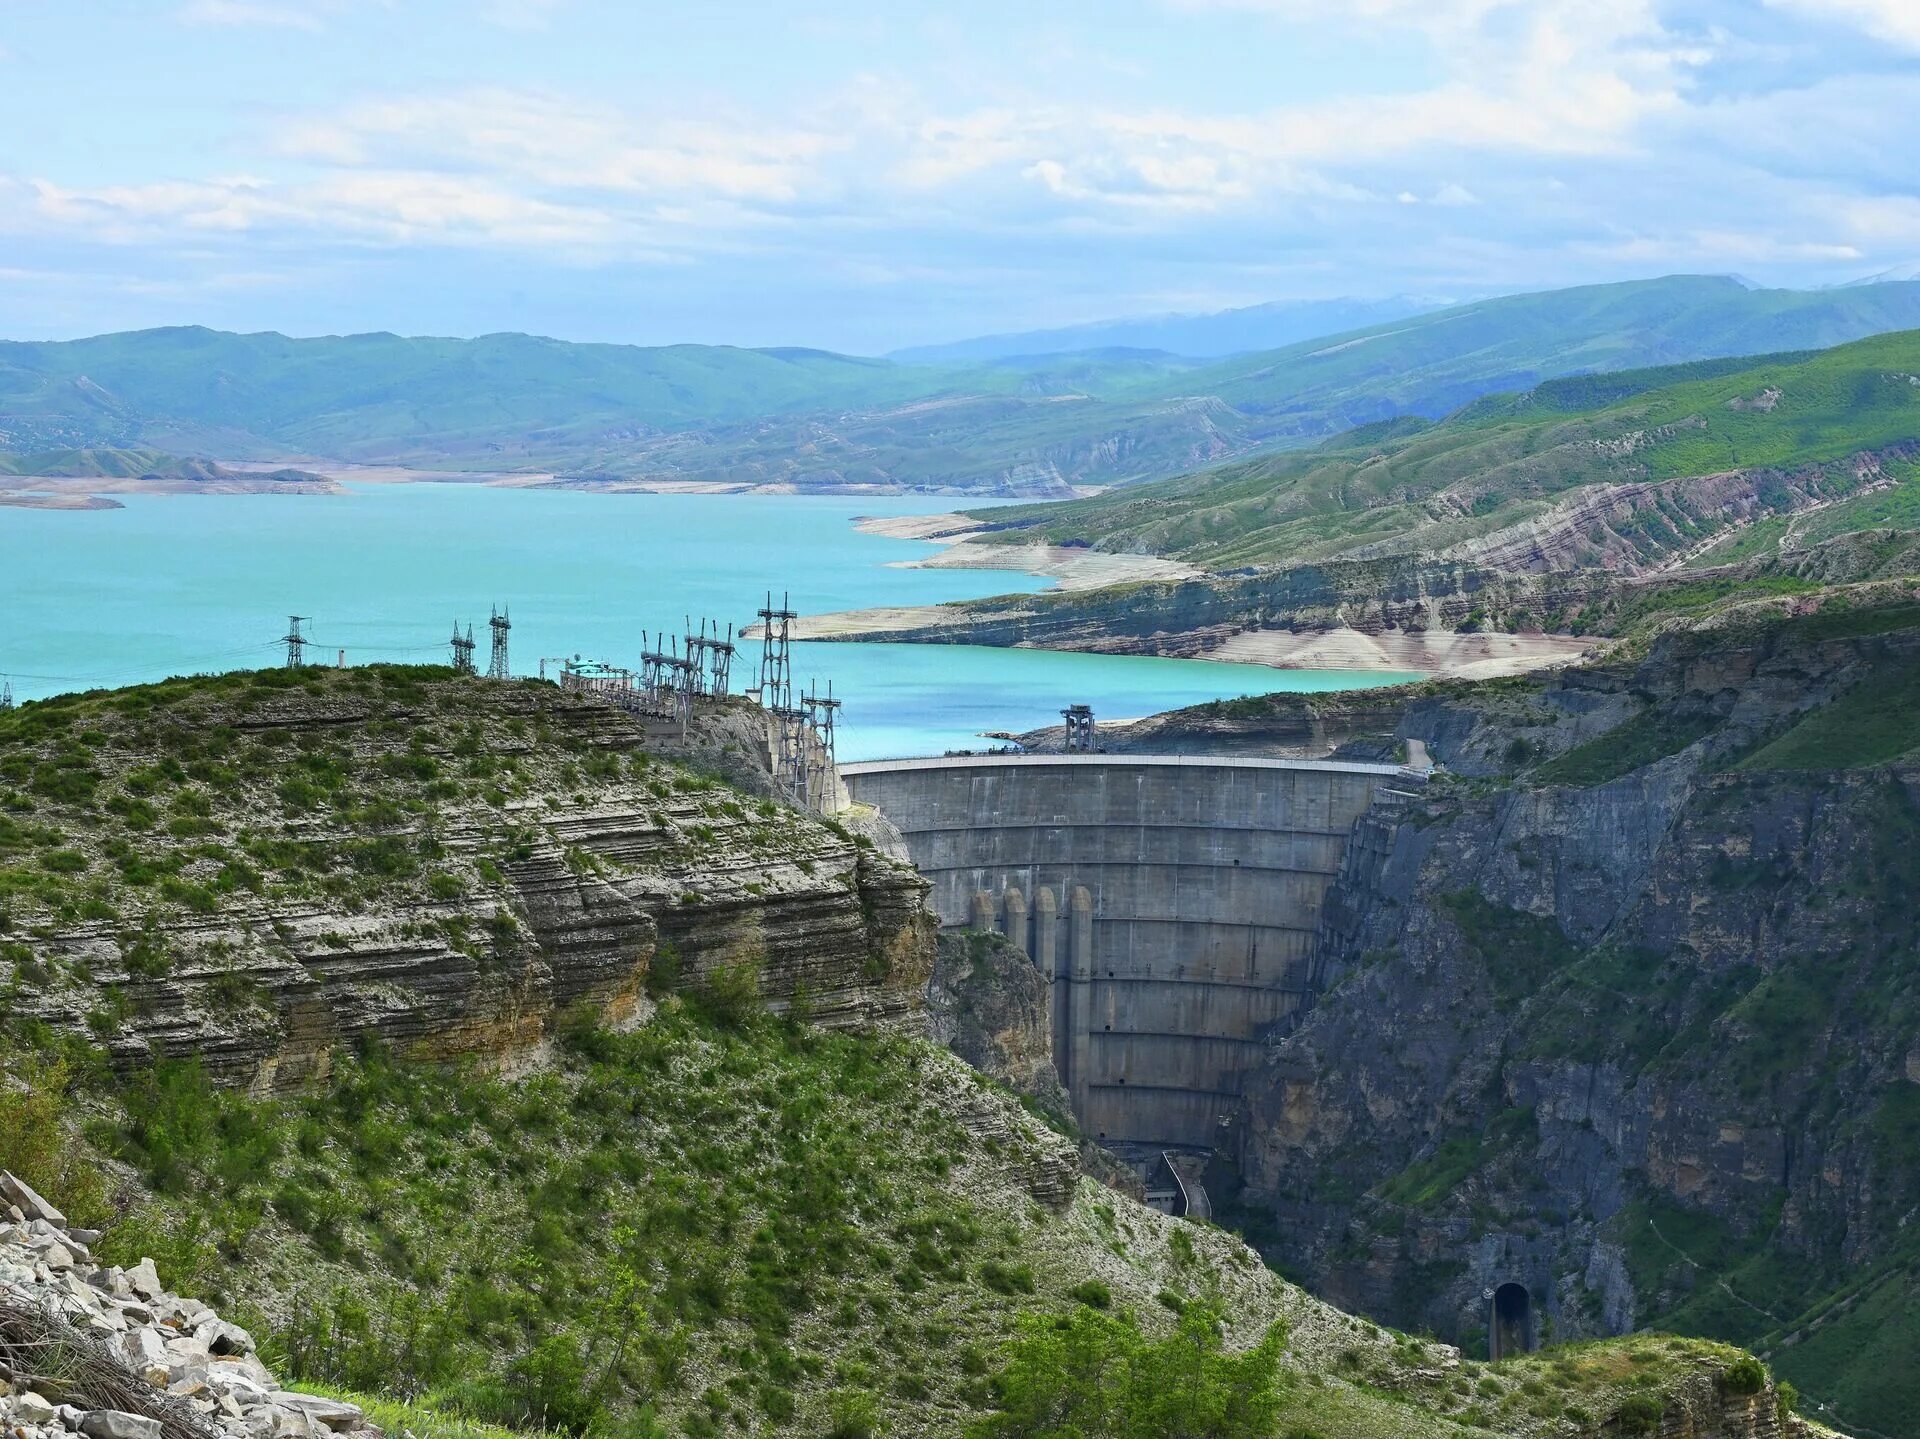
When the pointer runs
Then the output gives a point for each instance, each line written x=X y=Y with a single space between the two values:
x=93 y=492
x=1068 y=568
x=1438 y=654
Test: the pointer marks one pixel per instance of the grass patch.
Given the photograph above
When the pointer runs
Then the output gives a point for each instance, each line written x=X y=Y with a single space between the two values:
x=1870 y=724
x=1649 y=736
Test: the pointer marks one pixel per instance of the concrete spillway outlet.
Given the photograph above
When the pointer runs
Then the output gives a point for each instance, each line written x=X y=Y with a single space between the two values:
x=1171 y=901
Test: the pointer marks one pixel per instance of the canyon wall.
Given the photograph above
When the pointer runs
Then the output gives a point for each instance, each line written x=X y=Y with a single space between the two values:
x=1625 y=1009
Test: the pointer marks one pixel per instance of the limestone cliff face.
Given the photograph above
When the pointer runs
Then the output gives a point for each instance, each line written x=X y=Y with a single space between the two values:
x=988 y=1004
x=1626 y=1011
x=443 y=866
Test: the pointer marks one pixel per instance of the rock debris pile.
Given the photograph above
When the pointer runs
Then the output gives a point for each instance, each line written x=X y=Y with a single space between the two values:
x=108 y=1353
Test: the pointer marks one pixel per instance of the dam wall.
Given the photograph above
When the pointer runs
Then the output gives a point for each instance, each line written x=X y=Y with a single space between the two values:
x=1171 y=901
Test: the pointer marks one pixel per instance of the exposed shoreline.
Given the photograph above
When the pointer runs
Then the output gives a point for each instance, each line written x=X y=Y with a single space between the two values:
x=1068 y=567
x=1436 y=654
x=94 y=492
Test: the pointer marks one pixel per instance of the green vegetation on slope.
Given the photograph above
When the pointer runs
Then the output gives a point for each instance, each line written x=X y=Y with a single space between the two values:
x=1797 y=420
x=721 y=1223
x=182 y=796
x=1872 y=725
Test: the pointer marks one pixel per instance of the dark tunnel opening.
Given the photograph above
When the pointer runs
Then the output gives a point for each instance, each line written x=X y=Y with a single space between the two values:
x=1510 y=1322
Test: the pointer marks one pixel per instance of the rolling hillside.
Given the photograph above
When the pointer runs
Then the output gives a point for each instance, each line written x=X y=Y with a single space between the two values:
x=1627 y=472
x=717 y=415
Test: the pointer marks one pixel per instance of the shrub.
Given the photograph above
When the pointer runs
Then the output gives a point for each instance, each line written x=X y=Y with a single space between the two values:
x=1007 y=1278
x=854 y=1414
x=1094 y=1373
x=1093 y=1293
x=1639 y=1414
x=1746 y=1375
x=730 y=996
x=35 y=1144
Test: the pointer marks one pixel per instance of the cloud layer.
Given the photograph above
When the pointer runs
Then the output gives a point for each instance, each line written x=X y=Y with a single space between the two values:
x=1518 y=142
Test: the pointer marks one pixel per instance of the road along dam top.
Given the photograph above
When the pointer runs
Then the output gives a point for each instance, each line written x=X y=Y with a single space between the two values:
x=1172 y=901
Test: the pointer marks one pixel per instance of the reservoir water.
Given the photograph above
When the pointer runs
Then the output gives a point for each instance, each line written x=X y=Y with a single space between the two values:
x=183 y=584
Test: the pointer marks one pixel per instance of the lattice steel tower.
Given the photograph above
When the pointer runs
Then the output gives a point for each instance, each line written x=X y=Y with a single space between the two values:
x=295 y=641
x=497 y=666
x=462 y=650
x=776 y=654
x=6 y=695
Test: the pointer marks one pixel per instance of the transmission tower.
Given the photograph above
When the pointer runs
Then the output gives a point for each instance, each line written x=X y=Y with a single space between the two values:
x=497 y=666
x=6 y=695
x=776 y=654
x=295 y=642
x=821 y=713
x=462 y=650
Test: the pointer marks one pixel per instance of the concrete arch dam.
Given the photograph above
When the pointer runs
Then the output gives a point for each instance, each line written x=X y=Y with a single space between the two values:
x=1172 y=901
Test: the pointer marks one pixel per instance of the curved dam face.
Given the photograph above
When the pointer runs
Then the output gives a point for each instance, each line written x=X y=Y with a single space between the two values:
x=1172 y=902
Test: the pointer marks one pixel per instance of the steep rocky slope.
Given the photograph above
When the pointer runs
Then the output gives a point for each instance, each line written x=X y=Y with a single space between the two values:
x=1625 y=1009
x=261 y=869
x=465 y=1044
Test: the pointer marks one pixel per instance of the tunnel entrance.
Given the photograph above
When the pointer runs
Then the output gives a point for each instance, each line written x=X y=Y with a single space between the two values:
x=1509 y=1322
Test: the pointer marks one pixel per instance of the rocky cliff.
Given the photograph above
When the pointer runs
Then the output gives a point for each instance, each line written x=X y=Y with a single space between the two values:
x=1625 y=1009
x=261 y=869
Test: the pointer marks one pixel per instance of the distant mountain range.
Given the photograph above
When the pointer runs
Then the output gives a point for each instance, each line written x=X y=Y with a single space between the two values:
x=1205 y=337
x=809 y=419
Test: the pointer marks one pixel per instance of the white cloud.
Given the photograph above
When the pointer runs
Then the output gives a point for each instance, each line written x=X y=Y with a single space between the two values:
x=1894 y=20
x=248 y=12
x=373 y=207
x=545 y=141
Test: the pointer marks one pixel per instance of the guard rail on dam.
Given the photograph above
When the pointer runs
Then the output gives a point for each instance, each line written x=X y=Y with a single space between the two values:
x=1171 y=900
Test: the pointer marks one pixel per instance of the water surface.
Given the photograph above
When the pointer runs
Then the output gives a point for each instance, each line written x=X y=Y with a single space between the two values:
x=184 y=584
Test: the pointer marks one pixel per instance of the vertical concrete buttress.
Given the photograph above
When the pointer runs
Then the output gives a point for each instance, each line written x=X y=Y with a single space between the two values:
x=1079 y=1077
x=1046 y=931
x=982 y=910
x=1046 y=952
x=1017 y=919
x=1212 y=875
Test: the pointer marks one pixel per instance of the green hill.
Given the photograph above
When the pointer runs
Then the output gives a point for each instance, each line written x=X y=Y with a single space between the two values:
x=1621 y=471
x=718 y=414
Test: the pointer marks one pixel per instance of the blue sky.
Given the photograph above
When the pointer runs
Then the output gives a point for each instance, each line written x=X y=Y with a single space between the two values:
x=862 y=176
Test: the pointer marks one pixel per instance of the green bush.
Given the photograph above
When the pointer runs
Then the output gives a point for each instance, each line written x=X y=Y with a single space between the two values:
x=1640 y=1414
x=1746 y=1375
x=854 y=1414
x=1089 y=1373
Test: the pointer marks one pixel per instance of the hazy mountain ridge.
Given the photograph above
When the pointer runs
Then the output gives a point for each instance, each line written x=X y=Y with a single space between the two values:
x=1207 y=336
x=808 y=419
